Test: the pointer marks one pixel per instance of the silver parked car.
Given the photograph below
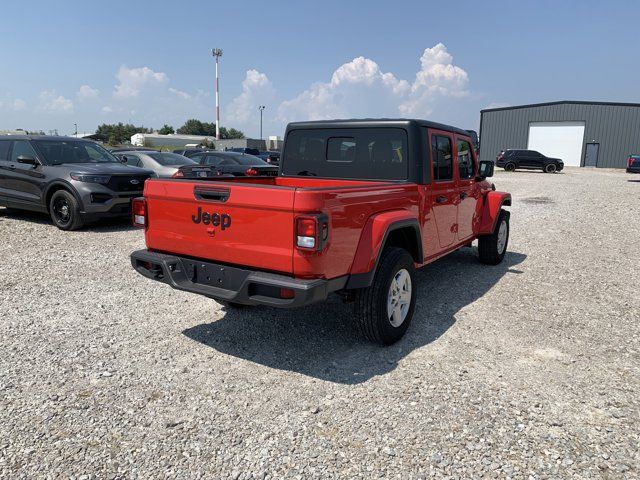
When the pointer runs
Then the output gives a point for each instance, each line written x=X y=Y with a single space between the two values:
x=164 y=164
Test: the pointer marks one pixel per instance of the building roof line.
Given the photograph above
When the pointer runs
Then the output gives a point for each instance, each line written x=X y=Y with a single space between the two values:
x=560 y=102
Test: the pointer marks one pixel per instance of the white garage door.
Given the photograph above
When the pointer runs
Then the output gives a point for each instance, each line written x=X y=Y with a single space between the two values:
x=561 y=140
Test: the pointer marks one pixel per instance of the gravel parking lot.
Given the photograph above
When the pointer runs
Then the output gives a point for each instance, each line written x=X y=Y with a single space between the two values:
x=530 y=369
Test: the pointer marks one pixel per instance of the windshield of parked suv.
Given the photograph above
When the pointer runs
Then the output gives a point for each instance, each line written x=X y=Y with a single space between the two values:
x=171 y=159
x=358 y=153
x=56 y=152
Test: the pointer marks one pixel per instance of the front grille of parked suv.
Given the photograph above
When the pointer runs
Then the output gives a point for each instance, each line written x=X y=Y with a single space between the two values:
x=127 y=183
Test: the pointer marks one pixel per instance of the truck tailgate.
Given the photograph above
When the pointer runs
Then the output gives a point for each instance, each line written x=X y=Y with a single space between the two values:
x=226 y=222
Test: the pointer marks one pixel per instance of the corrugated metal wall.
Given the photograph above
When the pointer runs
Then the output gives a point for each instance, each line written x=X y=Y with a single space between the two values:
x=615 y=127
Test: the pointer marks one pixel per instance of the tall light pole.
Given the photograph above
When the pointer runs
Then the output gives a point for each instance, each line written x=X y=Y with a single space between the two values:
x=261 y=108
x=76 y=125
x=217 y=52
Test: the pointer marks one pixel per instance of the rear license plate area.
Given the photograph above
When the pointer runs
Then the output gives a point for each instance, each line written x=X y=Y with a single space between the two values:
x=213 y=275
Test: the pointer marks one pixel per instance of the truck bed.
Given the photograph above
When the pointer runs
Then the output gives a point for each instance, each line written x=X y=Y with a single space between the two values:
x=186 y=218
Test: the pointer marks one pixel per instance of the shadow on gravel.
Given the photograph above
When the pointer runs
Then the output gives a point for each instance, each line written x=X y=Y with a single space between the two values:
x=106 y=225
x=320 y=340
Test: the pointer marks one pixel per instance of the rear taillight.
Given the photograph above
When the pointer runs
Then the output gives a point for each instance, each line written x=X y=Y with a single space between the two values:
x=178 y=174
x=629 y=161
x=251 y=172
x=312 y=232
x=139 y=212
x=500 y=157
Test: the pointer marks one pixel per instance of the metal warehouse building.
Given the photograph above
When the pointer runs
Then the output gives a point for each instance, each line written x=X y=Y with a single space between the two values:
x=583 y=134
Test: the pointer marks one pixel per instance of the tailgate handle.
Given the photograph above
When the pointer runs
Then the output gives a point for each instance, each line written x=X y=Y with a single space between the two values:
x=212 y=194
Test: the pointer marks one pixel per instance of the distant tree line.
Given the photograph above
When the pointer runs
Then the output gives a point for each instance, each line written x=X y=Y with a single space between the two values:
x=119 y=133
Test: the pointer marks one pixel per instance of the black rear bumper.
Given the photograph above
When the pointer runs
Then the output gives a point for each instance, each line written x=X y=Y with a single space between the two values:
x=633 y=169
x=232 y=284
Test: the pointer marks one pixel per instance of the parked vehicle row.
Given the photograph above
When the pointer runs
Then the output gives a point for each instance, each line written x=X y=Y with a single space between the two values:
x=512 y=160
x=357 y=206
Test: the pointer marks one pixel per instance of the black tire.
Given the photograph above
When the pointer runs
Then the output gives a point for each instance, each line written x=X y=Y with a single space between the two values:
x=550 y=168
x=371 y=303
x=510 y=167
x=488 y=248
x=64 y=211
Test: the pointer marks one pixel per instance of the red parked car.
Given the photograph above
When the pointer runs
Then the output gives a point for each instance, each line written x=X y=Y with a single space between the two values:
x=358 y=205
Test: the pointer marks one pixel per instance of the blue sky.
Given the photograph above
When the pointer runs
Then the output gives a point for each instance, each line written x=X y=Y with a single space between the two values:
x=149 y=62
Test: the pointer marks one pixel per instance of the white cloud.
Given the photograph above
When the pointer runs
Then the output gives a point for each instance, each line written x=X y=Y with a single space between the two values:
x=50 y=101
x=107 y=109
x=180 y=93
x=133 y=80
x=243 y=111
x=12 y=104
x=85 y=92
x=360 y=88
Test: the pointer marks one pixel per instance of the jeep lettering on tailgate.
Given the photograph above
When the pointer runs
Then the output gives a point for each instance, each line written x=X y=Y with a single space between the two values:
x=215 y=219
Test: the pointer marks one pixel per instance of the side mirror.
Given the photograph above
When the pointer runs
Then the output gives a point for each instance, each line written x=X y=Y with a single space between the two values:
x=485 y=169
x=27 y=159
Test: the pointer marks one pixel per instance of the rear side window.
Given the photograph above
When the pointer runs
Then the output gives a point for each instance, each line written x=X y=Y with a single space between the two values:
x=465 y=160
x=4 y=149
x=358 y=153
x=442 y=158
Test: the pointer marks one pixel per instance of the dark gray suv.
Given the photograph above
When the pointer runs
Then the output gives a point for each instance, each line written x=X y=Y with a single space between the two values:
x=75 y=181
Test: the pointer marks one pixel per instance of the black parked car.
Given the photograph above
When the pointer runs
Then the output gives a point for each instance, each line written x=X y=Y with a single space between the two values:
x=633 y=164
x=511 y=160
x=73 y=180
x=272 y=158
x=251 y=151
x=187 y=152
x=234 y=163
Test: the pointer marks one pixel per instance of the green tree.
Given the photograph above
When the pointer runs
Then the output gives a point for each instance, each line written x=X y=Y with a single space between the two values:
x=119 y=132
x=233 y=133
x=196 y=127
x=166 y=130
x=192 y=127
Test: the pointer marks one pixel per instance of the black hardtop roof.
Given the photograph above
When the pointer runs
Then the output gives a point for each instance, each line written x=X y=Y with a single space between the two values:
x=61 y=138
x=375 y=122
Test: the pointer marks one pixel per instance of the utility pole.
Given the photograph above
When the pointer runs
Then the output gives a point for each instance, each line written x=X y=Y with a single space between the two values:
x=217 y=52
x=261 y=108
x=76 y=134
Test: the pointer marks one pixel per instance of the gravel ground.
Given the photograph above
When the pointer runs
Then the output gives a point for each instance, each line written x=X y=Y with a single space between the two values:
x=530 y=369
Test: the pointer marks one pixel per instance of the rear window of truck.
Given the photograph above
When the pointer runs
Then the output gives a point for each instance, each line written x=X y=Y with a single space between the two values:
x=358 y=153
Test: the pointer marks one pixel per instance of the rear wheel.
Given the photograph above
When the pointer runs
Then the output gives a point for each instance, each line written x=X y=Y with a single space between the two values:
x=510 y=167
x=385 y=309
x=550 y=168
x=64 y=211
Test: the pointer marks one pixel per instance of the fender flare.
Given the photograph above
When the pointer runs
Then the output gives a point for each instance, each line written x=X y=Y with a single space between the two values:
x=491 y=205
x=372 y=241
x=63 y=184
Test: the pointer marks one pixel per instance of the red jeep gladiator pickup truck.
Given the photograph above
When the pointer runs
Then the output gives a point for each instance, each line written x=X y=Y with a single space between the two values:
x=356 y=207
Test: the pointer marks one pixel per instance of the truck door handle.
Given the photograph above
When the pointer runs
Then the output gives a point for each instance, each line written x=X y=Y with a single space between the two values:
x=441 y=199
x=464 y=195
x=12 y=167
x=213 y=194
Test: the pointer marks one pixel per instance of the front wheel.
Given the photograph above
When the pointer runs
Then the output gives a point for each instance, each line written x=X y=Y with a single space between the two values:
x=550 y=168
x=64 y=211
x=492 y=248
x=384 y=310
